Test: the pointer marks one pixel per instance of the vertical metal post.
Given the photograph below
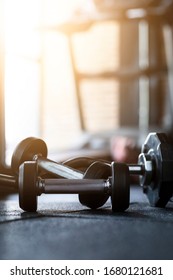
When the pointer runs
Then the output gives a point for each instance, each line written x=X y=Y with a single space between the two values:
x=2 y=111
x=144 y=94
x=168 y=45
x=128 y=57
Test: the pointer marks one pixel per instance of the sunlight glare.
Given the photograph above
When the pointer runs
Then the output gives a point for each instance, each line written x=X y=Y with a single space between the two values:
x=23 y=51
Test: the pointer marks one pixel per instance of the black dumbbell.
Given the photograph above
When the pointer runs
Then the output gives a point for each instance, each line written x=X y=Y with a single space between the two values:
x=28 y=149
x=35 y=149
x=117 y=186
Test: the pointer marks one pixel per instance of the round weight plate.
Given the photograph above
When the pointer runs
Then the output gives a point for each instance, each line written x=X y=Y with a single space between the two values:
x=26 y=150
x=97 y=170
x=158 y=147
x=120 y=195
x=27 y=186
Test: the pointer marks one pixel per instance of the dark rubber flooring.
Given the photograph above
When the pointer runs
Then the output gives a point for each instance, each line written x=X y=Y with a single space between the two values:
x=64 y=229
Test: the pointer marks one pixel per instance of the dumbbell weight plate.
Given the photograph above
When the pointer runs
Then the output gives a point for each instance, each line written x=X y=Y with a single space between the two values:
x=26 y=150
x=27 y=186
x=97 y=170
x=158 y=147
x=120 y=195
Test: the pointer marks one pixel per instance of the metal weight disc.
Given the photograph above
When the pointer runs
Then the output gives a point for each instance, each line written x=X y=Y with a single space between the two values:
x=120 y=195
x=97 y=170
x=27 y=186
x=158 y=147
x=26 y=150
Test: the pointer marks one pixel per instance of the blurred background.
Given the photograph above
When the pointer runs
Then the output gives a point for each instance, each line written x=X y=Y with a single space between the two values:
x=90 y=77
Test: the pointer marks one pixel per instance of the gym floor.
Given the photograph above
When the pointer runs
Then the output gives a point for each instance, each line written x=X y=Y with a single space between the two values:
x=64 y=229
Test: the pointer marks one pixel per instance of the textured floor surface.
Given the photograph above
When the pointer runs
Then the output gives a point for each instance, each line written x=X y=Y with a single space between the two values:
x=64 y=229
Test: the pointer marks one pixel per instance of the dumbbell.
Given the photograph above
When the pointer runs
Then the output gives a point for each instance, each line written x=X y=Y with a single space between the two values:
x=35 y=149
x=63 y=170
x=154 y=169
x=117 y=186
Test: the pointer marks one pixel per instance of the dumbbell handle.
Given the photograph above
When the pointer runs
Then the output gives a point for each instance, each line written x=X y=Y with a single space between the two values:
x=80 y=186
x=58 y=169
x=136 y=169
x=8 y=180
x=73 y=186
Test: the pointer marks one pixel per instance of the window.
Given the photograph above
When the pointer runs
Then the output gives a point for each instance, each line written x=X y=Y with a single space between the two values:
x=40 y=93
